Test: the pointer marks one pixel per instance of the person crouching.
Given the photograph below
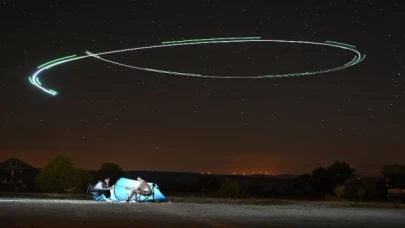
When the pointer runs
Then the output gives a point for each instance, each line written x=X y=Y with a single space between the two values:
x=103 y=188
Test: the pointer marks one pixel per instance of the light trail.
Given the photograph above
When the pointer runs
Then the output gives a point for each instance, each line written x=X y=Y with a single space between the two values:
x=56 y=60
x=357 y=58
x=210 y=39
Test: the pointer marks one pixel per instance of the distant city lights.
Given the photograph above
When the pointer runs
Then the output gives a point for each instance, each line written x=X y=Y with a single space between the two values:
x=240 y=174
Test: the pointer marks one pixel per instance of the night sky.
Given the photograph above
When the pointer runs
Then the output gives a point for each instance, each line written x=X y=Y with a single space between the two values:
x=153 y=121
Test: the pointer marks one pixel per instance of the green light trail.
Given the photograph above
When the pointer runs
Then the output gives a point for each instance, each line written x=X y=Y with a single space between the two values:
x=354 y=59
x=55 y=60
x=171 y=72
x=347 y=45
x=37 y=81
x=359 y=57
x=210 y=39
x=52 y=91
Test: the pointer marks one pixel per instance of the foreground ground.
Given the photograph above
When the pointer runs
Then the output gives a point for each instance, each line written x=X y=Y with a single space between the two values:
x=25 y=212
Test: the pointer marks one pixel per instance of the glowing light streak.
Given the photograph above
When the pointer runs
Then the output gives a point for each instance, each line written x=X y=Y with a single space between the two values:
x=37 y=85
x=56 y=60
x=363 y=58
x=36 y=74
x=348 y=45
x=172 y=72
x=351 y=63
x=140 y=68
x=37 y=81
x=354 y=59
x=54 y=92
x=357 y=59
x=210 y=39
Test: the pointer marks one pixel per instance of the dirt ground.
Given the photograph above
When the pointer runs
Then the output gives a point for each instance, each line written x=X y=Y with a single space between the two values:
x=26 y=212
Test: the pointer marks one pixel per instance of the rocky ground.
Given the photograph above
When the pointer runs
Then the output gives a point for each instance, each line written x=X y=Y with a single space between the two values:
x=28 y=212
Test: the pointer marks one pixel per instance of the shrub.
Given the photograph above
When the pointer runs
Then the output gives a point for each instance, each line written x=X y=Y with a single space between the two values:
x=360 y=193
x=61 y=176
x=362 y=189
x=339 y=192
x=229 y=189
x=330 y=198
x=70 y=190
x=58 y=175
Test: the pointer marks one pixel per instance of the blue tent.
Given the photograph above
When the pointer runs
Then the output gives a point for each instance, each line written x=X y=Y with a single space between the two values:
x=119 y=192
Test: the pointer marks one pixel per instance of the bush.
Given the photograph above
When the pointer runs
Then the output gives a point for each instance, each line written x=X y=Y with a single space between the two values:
x=229 y=189
x=58 y=175
x=361 y=189
x=70 y=190
x=61 y=176
x=339 y=192
x=330 y=198
x=360 y=193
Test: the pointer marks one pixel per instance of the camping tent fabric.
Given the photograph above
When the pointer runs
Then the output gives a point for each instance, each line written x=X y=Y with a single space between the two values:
x=99 y=197
x=119 y=193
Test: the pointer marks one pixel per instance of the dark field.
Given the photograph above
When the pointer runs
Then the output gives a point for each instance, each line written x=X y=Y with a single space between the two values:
x=22 y=212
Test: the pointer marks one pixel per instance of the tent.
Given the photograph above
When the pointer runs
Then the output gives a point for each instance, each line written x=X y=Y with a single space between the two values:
x=119 y=193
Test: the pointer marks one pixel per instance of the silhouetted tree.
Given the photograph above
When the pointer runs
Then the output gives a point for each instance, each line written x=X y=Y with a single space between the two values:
x=340 y=172
x=303 y=185
x=322 y=182
x=111 y=170
x=325 y=180
x=58 y=175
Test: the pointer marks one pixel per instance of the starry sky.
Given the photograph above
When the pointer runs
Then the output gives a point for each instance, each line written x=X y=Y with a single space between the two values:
x=153 y=121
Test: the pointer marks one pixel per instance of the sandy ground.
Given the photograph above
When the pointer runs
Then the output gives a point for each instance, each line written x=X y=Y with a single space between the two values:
x=19 y=212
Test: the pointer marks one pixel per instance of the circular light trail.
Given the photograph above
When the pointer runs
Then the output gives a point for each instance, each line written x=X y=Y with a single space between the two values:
x=34 y=79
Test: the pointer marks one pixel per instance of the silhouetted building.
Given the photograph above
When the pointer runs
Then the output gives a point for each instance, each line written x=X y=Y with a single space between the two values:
x=395 y=175
x=16 y=175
